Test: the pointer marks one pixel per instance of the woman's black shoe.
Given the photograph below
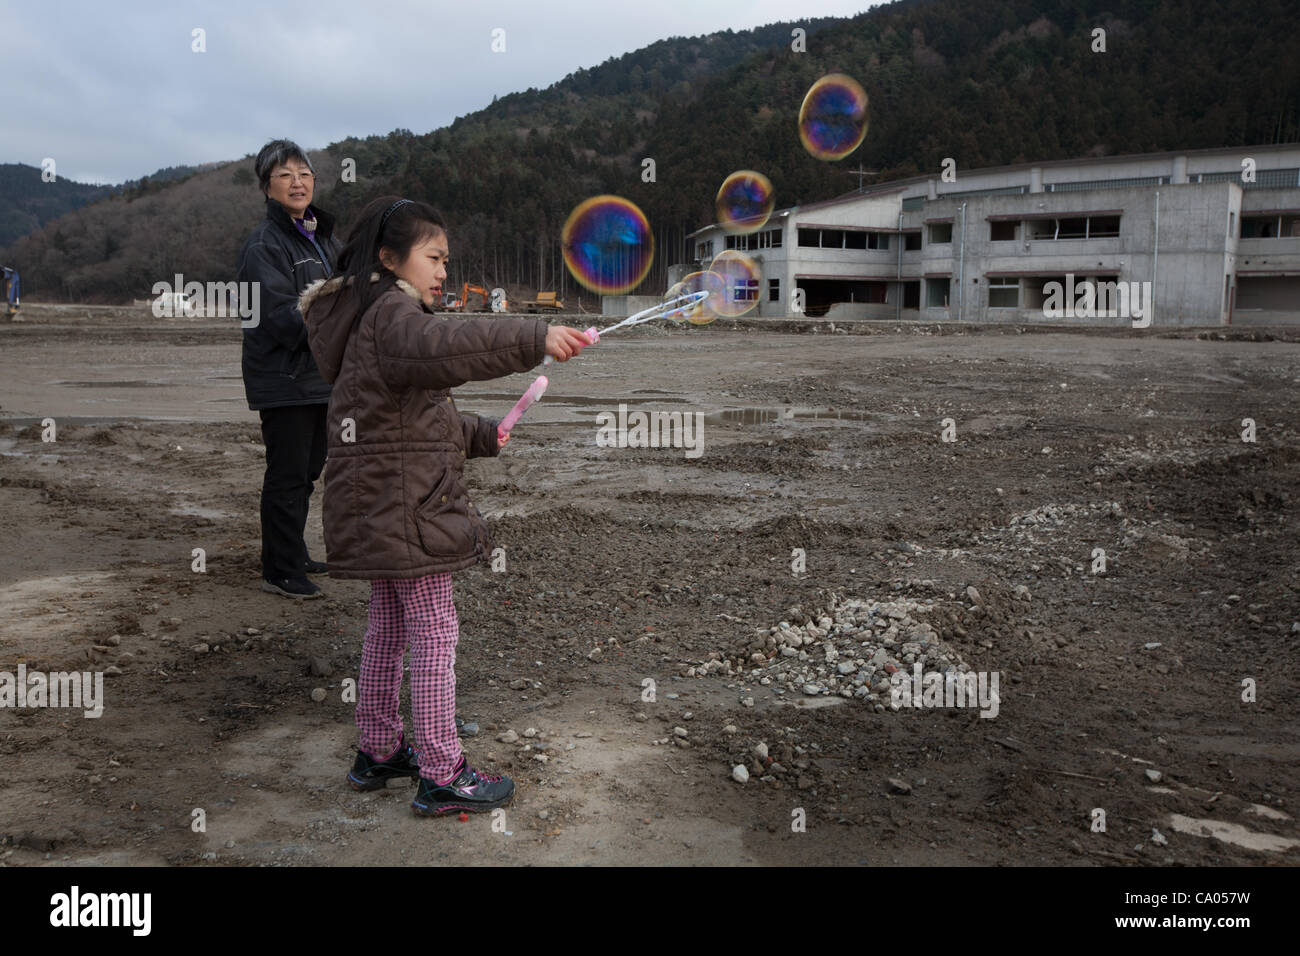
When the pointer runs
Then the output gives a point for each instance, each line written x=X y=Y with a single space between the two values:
x=292 y=587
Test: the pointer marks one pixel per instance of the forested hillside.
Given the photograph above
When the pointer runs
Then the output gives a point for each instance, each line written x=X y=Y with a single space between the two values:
x=986 y=82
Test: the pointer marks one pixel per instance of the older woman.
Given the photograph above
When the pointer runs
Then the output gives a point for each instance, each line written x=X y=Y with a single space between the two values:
x=292 y=247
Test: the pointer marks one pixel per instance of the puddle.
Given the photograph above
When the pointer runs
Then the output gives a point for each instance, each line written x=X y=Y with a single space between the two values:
x=1232 y=833
x=8 y=446
x=759 y=415
x=198 y=511
x=123 y=384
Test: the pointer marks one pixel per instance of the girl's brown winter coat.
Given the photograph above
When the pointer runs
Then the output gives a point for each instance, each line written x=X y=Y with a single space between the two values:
x=396 y=503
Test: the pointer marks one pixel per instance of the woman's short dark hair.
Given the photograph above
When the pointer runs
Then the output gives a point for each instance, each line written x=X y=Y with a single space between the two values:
x=404 y=228
x=276 y=153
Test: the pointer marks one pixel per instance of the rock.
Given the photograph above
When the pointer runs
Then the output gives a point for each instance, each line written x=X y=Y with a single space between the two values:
x=845 y=667
x=688 y=716
x=747 y=702
x=113 y=640
x=1158 y=838
x=973 y=594
x=112 y=670
x=469 y=729
x=518 y=684
x=899 y=786
x=251 y=631
x=731 y=729
x=739 y=773
x=319 y=667
x=200 y=648
x=530 y=732
x=760 y=750
x=318 y=694
x=1151 y=645
x=642 y=717
x=812 y=690
x=508 y=737
x=679 y=732
x=1155 y=776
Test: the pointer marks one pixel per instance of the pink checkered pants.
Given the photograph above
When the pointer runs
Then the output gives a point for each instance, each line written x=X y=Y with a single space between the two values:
x=418 y=612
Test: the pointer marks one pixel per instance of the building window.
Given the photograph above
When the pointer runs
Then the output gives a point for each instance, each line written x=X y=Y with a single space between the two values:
x=1002 y=231
x=744 y=290
x=940 y=232
x=1103 y=227
x=1269 y=227
x=936 y=292
x=1004 y=293
x=773 y=290
x=811 y=238
x=1232 y=224
x=1075 y=227
x=704 y=250
x=877 y=240
x=855 y=240
x=911 y=241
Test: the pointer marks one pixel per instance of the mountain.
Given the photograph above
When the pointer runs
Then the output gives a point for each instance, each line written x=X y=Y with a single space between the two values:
x=985 y=82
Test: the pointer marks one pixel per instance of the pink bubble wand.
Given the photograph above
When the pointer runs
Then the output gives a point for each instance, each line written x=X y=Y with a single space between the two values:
x=533 y=394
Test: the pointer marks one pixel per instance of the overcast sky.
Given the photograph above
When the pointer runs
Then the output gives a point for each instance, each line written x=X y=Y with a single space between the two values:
x=113 y=91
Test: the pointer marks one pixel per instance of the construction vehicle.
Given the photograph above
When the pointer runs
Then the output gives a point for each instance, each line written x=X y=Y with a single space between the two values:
x=545 y=302
x=488 y=303
x=9 y=292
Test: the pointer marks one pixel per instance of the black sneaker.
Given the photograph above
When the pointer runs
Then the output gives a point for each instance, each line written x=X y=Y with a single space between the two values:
x=371 y=774
x=315 y=567
x=292 y=587
x=470 y=791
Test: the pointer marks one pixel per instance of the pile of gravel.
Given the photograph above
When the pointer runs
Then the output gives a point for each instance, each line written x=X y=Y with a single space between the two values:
x=850 y=650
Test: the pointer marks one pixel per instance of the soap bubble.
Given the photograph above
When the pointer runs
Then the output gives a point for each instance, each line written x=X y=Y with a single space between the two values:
x=702 y=312
x=608 y=246
x=742 y=282
x=833 y=117
x=745 y=201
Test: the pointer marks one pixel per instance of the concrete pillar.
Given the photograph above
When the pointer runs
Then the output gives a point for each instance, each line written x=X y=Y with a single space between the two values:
x=1036 y=179
x=1179 y=174
x=932 y=190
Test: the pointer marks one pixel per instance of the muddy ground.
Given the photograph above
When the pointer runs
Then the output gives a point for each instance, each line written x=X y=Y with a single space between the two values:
x=1066 y=442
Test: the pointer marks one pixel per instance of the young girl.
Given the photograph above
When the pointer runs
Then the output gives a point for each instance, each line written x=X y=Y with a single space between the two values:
x=397 y=511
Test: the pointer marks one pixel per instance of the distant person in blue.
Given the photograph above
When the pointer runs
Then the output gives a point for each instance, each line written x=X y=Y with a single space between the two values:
x=287 y=251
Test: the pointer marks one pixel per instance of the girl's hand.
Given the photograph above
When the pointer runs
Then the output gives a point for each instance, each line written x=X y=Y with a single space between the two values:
x=502 y=438
x=562 y=342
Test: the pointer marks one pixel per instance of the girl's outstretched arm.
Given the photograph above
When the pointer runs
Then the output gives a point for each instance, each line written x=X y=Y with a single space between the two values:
x=419 y=350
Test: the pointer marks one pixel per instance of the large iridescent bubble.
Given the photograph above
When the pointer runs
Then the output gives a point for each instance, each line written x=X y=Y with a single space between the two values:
x=833 y=118
x=706 y=309
x=742 y=283
x=608 y=245
x=745 y=201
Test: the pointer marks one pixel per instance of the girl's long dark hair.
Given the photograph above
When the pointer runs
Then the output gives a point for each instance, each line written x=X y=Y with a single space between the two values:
x=407 y=226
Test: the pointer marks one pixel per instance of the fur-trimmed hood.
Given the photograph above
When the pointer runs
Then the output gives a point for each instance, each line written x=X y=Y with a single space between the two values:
x=330 y=309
